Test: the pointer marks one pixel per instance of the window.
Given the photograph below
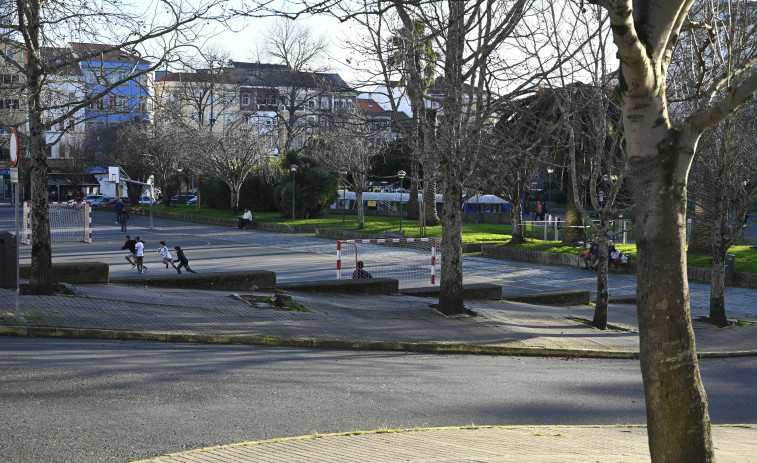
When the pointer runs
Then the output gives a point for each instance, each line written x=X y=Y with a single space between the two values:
x=142 y=103
x=245 y=99
x=324 y=103
x=311 y=103
x=9 y=79
x=122 y=102
x=229 y=98
x=9 y=103
x=229 y=118
x=311 y=120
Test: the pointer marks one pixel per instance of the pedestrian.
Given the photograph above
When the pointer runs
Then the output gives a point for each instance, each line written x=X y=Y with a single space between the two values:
x=359 y=272
x=166 y=255
x=124 y=220
x=130 y=244
x=537 y=215
x=183 y=261
x=139 y=254
x=119 y=209
x=245 y=220
x=544 y=210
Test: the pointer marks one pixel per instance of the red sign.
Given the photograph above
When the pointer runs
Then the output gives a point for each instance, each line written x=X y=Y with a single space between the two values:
x=14 y=147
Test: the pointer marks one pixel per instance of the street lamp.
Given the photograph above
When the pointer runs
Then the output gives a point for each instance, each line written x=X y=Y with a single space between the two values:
x=344 y=193
x=550 y=170
x=585 y=175
x=293 y=169
x=401 y=174
x=178 y=200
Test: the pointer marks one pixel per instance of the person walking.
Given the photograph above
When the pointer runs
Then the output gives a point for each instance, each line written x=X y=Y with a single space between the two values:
x=166 y=255
x=129 y=244
x=139 y=253
x=119 y=208
x=124 y=220
x=183 y=261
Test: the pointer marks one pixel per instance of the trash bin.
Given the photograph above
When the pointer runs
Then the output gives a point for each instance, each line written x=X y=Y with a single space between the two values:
x=7 y=260
x=730 y=265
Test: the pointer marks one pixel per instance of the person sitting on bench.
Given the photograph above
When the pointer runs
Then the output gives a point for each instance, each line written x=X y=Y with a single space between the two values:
x=245 y=220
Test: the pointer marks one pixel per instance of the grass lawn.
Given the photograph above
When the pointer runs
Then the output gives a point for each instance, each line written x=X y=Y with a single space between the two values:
x=746 y=257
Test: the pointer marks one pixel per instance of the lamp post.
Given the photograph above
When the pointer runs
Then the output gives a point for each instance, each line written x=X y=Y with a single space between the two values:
x=550 y=170
x=178 y=176
x=401 y=174
x=343 y=171
x=585 y=175
x=293 y=169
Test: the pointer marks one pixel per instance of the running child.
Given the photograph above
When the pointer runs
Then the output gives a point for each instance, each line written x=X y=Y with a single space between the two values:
x=166 y=254
x=182 y=260
x=139 y=254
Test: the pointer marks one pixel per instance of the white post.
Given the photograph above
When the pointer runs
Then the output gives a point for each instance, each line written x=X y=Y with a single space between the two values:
x=546 y=230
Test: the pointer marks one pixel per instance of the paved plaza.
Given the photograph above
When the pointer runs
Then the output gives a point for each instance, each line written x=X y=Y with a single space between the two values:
x=389 y=322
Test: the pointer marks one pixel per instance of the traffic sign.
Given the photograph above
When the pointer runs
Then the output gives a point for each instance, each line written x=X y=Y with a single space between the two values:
x=14 y=147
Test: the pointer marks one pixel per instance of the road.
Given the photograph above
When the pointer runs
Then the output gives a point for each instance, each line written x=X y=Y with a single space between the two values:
x=95 y=401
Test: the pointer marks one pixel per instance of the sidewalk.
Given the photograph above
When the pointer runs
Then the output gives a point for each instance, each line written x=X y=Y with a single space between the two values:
x=396 y=322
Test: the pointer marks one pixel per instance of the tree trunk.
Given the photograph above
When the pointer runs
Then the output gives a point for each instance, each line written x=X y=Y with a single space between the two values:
x=451 y=281
x=411 y=207
x=574 y=231
x=40 y=280
x=701 y=241
x=429 y=203
x=451 y=157
x=603 y=284
x=676 y=404
x=515 y=220
x=717 y=290
x=360 y=209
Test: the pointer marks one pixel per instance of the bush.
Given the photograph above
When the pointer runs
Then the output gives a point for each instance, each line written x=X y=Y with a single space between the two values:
x=257 y=195
x=215 y=194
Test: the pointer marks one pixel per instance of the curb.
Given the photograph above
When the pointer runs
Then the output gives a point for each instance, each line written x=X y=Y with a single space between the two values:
x=381 y=431
x=269 y=341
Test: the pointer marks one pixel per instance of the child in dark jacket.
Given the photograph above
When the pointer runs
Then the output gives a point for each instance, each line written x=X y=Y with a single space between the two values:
x=182 y=259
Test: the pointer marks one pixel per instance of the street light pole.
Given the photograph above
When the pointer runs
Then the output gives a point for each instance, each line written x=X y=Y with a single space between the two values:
x=550 y=170
x=344 y=194
x=178 y=200
x=293 y=169
x=585 y=175
x=401 y=174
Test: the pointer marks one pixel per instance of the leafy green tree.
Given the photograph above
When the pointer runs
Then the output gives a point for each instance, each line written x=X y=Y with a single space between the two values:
x=315 y=188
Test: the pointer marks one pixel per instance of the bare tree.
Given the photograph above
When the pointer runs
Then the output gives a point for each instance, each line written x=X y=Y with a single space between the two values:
x=37 y=24
x=661 y=152
x=231 y=153
x=723 y=181
x=348 y=147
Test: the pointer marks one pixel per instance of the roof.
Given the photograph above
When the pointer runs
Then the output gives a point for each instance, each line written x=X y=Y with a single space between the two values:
x=196 y=77
x=62 y=56
x=278 y=75
x=90 y=51
x=369 y=106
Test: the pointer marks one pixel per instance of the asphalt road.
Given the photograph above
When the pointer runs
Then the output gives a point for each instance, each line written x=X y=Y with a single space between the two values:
x=94 y=401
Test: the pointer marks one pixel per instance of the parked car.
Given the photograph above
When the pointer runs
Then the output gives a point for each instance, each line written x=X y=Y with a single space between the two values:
x=145 y=200
x=104 y=201
x=185 y=199
x=89 y=198
x=124 y=199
